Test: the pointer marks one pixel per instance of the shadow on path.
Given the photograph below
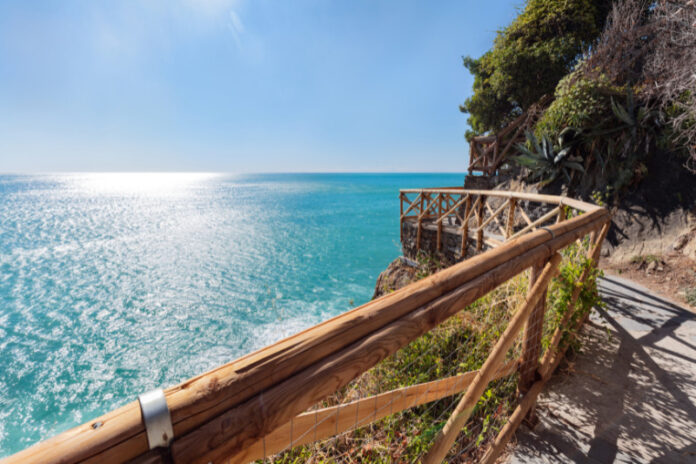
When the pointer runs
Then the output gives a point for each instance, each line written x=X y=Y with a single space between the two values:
x=630 y=396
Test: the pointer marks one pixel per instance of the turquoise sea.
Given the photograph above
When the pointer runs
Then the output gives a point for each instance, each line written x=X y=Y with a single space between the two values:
x=114 y=284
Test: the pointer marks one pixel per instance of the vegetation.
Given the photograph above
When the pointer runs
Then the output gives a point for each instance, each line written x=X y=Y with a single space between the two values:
x=691 y=296
x=547 y=161
x=628 y=94
x=461 y=344
x=528 y=59
x=641 y=260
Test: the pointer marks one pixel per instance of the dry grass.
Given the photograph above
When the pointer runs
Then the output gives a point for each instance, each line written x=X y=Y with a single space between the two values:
x=459 y=345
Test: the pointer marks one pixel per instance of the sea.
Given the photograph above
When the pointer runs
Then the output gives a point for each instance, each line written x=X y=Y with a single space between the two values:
x=113 y=284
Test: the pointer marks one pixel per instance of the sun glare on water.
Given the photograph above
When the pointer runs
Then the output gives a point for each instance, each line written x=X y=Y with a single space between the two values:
x=141 y=183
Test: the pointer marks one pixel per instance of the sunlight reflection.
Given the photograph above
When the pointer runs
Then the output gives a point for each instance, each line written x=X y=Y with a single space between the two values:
x=141 y=183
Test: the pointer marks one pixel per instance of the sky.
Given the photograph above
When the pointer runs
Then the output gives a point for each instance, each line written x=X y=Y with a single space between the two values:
x=239 y=86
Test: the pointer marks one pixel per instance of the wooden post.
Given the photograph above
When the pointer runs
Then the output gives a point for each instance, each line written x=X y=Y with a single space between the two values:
x=401 y=217
x=593 y=255
x=460 y=415
x=510 y=225
x=420 y=224
x=439 y=222
x=491 y=166
x=561 y=213
x=479 y=216
x=472 y=159
x=531 y=346
x=465 y=226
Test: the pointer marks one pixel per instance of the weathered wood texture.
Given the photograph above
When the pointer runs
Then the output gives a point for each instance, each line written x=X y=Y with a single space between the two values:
x=531 y=346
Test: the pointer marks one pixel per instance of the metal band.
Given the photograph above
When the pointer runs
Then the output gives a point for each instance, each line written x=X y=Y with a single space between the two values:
x=549 y=231
x=156 y=417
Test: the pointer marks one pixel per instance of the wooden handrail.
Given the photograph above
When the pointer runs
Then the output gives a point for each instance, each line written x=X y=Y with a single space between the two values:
x=442 y=203
x=217 y=414
x=535 y=197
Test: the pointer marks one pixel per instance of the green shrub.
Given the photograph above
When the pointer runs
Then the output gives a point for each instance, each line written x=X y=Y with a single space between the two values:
x=617 y=132
x=546 y=160
x=691 y=296
x=579 y=102
x=529 y=57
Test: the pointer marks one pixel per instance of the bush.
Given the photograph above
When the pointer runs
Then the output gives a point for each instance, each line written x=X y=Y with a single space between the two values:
x=617 y=130
x=691 y=296
x=579 y=102
x=529 y=57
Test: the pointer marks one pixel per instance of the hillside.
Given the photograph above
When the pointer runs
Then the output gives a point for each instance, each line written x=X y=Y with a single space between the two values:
x=619 y=130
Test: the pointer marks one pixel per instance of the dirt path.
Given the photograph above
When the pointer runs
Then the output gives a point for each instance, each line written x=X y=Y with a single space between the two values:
x=670 y=276
x=630 y=396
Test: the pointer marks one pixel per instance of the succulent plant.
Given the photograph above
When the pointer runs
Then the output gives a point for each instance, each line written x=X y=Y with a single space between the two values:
x=546 y=160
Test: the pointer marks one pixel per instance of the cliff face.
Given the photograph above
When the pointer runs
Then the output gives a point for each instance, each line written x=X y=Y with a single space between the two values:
x=398 y=274
x=657 y=217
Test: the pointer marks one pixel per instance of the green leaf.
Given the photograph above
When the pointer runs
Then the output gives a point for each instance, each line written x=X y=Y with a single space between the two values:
x=621 y=113
x=535 y=143
x=574 y=165
x=525 y=160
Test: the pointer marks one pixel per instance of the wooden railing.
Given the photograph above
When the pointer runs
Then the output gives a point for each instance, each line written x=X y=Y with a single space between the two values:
x=259 y=404
x=484 y=217
x=488 y=152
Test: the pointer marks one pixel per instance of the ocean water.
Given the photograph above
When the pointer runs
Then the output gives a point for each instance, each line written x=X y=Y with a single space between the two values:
x=114 y=284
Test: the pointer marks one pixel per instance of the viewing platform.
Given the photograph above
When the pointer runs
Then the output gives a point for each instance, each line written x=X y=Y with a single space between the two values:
x=457 y=223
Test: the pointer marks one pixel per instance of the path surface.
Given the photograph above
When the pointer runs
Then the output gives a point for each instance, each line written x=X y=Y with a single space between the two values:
x=630 y=396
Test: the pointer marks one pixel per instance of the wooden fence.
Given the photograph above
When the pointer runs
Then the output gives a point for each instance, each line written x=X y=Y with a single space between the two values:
x=486 y=218
x=260 y=404
x=488 y=152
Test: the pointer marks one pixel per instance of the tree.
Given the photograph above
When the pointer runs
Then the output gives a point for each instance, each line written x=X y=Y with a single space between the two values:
x=529 y=57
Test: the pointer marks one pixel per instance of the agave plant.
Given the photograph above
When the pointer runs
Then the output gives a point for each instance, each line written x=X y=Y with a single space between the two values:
x=621 y=142
x=546 y=160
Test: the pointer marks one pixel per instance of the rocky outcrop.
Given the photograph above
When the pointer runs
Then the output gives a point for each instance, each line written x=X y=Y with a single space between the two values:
x=657 y=218
x=450 y=242
x=399 y=273
x=635 y=233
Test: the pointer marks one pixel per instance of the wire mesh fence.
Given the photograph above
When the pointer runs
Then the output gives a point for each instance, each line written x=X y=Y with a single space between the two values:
x=394 y=411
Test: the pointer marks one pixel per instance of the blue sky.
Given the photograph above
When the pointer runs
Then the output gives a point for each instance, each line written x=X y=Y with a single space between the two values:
x=238 y=86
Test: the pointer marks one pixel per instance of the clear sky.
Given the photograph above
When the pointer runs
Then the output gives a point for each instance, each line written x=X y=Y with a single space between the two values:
x=239 y=86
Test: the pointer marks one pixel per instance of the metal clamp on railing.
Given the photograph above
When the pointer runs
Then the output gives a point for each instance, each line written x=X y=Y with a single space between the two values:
x=547 y=229
x=156 y=417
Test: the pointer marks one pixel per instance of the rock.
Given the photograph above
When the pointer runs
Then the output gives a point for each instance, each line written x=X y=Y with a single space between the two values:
x=691 y=217
x=660 y=269
x=398 y=274
x=681 y=242
x=652 y=266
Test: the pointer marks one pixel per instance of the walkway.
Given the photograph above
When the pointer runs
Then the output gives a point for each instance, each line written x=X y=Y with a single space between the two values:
x=630 y=396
